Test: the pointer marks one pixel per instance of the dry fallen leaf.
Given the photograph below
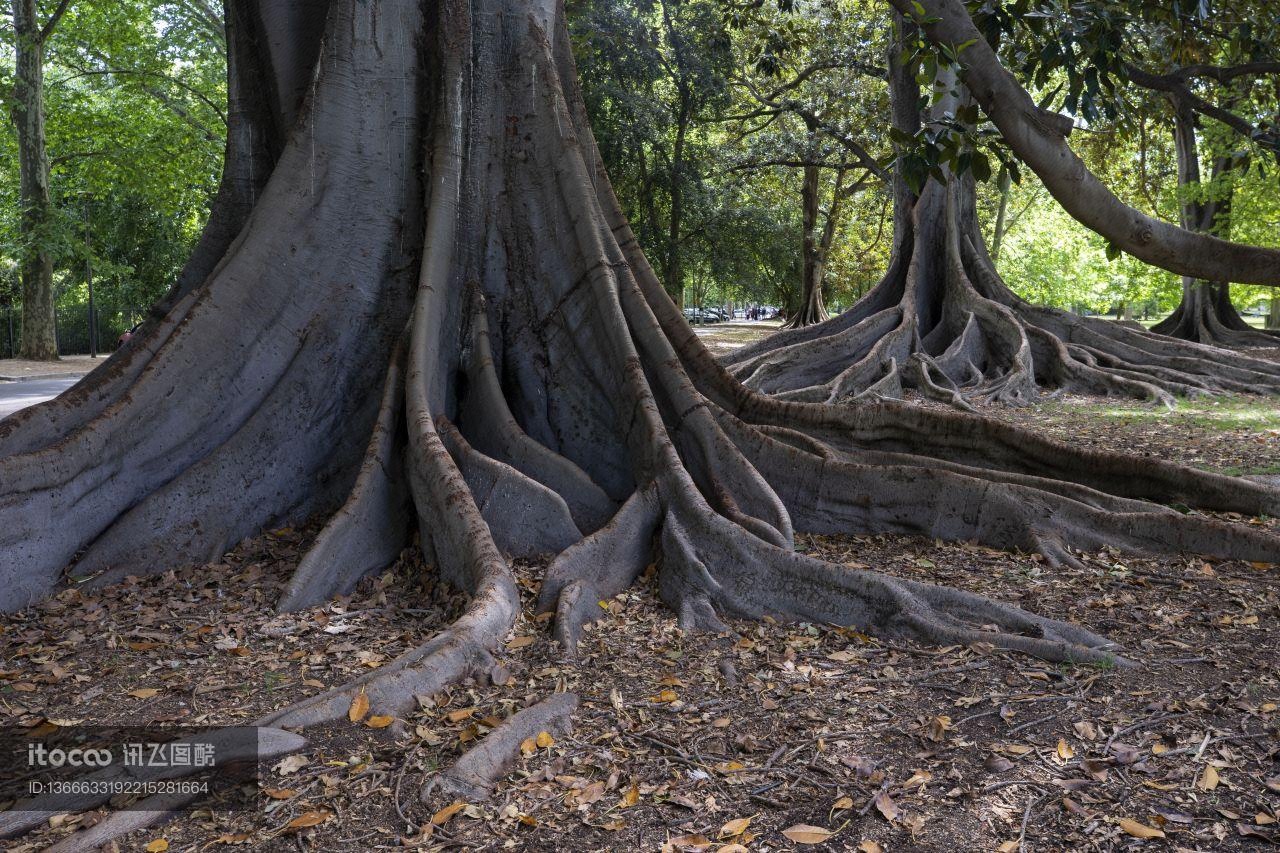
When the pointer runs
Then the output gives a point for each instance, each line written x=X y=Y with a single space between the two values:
x=630 y=797
x=695 y=841
x=521 y=642
x=157 y=846
x=528 y=747
x=232 y=838
x=359 y=707
x=918 y=778
x=460 y=715
x=1139 y=830
x=803 y=833
x=544 y=740
x=735 y=827
x=1208 y=779
x=869 y=846
x=280 y=793
x=291 y=764
x=443 y=816
x=886 y=806
x=1065 y=752
x=312 y=818
x=144 y=693
x=379 y=721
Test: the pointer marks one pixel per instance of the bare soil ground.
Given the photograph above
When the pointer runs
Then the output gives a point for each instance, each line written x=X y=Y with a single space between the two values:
x=723 y=338
x=729 y=742
x=16 y=369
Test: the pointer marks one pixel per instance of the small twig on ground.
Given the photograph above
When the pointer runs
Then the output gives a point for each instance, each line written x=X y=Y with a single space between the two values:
x=1030 y=724
x=1141 y=723
x=1026 y=817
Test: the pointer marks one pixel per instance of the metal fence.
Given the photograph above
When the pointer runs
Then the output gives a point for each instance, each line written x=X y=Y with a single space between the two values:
x=73 y=328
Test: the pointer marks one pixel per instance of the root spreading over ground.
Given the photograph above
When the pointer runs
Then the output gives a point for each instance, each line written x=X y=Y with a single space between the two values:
x=944 y=324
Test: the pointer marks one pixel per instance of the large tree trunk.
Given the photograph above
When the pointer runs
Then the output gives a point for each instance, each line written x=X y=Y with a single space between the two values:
x=943 y=322
x=39 y=332
x=1205 y=314
x=540 y=394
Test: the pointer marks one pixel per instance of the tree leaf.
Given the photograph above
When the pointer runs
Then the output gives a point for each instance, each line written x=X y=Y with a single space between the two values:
x=1139 y=830
x=157 y=846
x=803 y=833
x=379 y=721
x=886 y=806
x=359 y=707
x=311 y=818
x=1208 y=779
x=443 y=816
x=735 y=827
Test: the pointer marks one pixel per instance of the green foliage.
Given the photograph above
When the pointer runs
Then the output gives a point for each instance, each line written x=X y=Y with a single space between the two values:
x=135 y=103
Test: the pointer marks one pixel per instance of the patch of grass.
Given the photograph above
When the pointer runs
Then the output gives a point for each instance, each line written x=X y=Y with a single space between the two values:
x=1221 y=414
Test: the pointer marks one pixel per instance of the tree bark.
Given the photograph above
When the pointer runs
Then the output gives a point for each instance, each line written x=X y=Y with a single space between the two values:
x=1205 y=315
x=39 y=341
x=486 y=359
x=813 y=246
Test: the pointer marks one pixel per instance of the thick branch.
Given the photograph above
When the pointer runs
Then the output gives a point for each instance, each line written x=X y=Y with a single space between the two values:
x=1041 y=144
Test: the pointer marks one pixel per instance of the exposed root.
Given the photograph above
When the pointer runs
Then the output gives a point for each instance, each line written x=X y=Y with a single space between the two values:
x=492 y=430
x=599 y=567
x=945 y=324
x=1206 y=316
x=231 y=746
x=474 y=775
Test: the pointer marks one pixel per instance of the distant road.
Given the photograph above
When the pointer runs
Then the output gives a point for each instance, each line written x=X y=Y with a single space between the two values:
x=15 y=396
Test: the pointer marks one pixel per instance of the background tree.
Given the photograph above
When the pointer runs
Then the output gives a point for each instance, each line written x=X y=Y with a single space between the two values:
x=136 y=124
x=1204 y=62
x=942 y=320
x=802 y=96
x=31 y=32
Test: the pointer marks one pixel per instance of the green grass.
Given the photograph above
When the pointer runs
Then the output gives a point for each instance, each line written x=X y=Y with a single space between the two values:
x=1222 y=414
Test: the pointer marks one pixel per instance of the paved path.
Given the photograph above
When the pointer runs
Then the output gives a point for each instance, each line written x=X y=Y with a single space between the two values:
x=19 y=395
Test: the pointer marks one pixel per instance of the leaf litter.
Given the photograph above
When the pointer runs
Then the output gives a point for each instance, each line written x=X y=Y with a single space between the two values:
x=772 y=737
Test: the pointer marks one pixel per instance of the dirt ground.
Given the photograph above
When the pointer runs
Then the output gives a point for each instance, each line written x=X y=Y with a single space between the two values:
x=730 y=742
x=16 y=369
